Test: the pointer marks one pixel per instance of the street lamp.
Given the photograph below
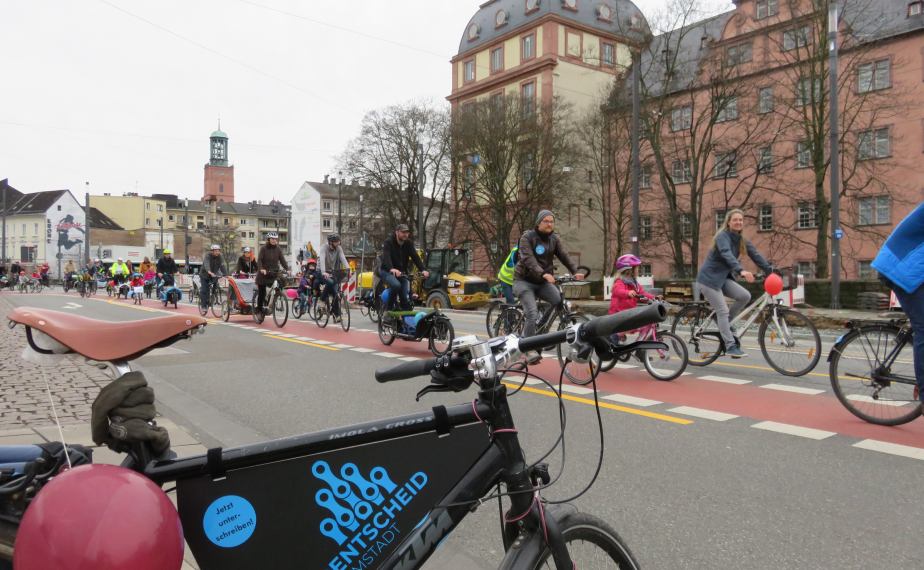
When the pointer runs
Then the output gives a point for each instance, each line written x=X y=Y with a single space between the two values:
x=362 y=238
x=186 y=239
x=836 y=232
x=340 y=203
x=160 y=222
x=636 y=166
x=86 y=220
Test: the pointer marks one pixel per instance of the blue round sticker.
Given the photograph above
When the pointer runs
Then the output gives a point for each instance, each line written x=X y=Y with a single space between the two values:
x=229 y=521
x=540 y=249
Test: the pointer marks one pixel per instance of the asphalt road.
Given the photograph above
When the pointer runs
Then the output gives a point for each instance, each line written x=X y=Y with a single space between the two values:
x=729 y=466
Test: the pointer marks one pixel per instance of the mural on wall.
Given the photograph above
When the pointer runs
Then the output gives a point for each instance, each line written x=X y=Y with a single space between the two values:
x=66 y=233
x=306 y=220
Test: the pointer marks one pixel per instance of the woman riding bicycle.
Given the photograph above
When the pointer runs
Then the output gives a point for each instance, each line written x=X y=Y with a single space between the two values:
x=717 y=276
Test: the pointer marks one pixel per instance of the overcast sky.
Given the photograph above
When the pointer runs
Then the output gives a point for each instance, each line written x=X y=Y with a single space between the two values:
x=123 y=94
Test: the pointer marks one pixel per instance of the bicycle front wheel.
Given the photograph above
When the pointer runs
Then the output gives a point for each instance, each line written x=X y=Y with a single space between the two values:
x=580 y=373
x=592 y=544
x=441 y=336
x=344 y=314
x=704 y=343
x=218 y=302
x=868 y=387
x=494 y=310
x=321 y=312
x=666 y=364
x=280 y=307
x=789 y=342
x=508 y=321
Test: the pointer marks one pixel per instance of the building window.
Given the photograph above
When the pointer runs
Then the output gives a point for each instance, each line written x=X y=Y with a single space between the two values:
x=680 y=171
x=725 y=165
x=803 y=154
x=171 y=217
x=796 y=38
x=865 y=270
x=681 y=271
x=874 y=76
x=915 y=8
x=497 y=59
x=644 y=177
x=874 y=143
x=806 y=216
x=727 y=110
x=227 y=221
x=644 y=227
x=720 y=219
x=767 y=8
x=765 y=218
x=160 y=207
x=528 y=47
x=765 y=100
x=686 y=225
x=527 y=171
x=469 y=70
x=147 y=205
x=738 y=54
x=609 y=54
x=765 y=160
x=874 y=210
x=35 y=230
x=497 y=101
x=325 y=223
x=528 y=98
x=147 y=222
x=808 y=91
x=468 y=187
x=681 y=118
x=59 y=207
x=250 y=235
x=644 y=270
x=805 y=268
x=326 y=205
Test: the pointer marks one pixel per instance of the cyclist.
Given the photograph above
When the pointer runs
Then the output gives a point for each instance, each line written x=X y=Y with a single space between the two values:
x=70 y=272
x=505 y=275
x=626 y=288
x=334 y=268
x=213 y=267
x=246 y=264
x=119 y=271
x=269 y=260
x=900 y=264
x=534 y=272
x=44 y=272
x=308 y=281
x=396 y=252
x=166 y=264
x=716 y=277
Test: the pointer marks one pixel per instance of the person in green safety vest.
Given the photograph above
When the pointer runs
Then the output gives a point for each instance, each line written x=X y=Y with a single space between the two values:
x=119 y=271
x=505 y=275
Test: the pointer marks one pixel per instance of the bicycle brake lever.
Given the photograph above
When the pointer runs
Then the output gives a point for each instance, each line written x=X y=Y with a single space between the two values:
x=432 y=388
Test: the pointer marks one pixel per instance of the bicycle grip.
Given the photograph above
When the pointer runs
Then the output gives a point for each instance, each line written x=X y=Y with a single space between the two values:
x=406 y=370
x=623 y=321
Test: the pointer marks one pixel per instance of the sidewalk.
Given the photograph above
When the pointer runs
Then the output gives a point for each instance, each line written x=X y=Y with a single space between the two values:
x=26 y=415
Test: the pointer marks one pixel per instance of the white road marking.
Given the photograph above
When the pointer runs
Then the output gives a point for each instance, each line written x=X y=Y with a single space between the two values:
x=343 y=346
x=794 y=430
x=576 y=389
x=632 y=400
x=409 y=358
x=288 y=335
x=891 y=448
x=72 y=306
x=794 y=389
x=624 y=366
x=322 y=342
x=724 y=379
x=868 y=400
x=519 y=379
x=304 y=339
x=704 y=414
x=361 y=349
x=388 y=354
x=166 y=351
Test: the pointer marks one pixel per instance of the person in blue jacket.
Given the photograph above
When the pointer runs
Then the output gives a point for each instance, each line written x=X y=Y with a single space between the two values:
x=900 y=264
x=716 y=277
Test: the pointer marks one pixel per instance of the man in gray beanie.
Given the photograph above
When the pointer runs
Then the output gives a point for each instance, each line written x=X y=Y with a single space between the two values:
x=534 y=272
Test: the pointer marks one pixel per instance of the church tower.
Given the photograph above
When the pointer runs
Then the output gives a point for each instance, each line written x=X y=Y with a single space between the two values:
x=219 y=176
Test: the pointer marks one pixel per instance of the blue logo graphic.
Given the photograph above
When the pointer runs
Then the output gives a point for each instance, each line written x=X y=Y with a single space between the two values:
x=229 y=521
x=540 y=249
x=362 y=509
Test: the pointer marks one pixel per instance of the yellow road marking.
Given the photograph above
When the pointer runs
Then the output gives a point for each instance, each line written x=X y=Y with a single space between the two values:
x=296 y=341
x=607 y=405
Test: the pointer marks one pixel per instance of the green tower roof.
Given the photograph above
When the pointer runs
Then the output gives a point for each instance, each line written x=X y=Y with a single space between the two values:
x=219 y=134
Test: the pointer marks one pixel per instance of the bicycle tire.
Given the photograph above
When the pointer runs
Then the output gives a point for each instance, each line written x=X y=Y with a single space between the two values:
x=850 y=373
x=375 y=312
x=218 y=301
x=297 y=311
x=387 y=329
x=321 y=312
x=666 y=366
x=257 y=315
x=509 y=321
x=442 y=327
x=776 y=346
x=344 y=314
x=702 y=350
x=592 y=543
x=279 y=304
x=494 y=307
x=226 y=308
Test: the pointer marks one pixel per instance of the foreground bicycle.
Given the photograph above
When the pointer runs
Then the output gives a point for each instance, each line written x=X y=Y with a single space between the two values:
x=788 y=339
x=277 y=302
x=872 y=372
x=381 y=494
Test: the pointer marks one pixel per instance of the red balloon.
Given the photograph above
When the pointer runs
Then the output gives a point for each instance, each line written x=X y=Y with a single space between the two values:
x=100 y=517
x=773 y=284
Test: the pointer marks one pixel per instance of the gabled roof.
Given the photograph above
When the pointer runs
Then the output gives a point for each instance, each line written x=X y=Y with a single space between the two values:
x=100 y=221
x=34 y=203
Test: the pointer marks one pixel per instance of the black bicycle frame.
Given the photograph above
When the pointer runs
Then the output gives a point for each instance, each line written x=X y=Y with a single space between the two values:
x=225 y=497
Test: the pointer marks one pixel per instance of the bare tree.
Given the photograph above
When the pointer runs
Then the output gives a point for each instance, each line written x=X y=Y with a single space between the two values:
x=512 y=157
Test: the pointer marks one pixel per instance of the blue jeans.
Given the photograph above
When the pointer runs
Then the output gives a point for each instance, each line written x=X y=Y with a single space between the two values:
x=399 y=286
x=507 y=290
x=331 y=288
x=913 y=306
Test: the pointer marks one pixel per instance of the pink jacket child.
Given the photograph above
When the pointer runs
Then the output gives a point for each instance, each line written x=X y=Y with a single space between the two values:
x=626 y=291
x=149 y=275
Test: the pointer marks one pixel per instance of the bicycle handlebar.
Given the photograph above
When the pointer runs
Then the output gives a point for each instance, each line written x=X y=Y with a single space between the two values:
x=406 y=370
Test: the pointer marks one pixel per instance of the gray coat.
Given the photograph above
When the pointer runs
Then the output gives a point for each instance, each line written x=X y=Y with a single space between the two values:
x=722 y=261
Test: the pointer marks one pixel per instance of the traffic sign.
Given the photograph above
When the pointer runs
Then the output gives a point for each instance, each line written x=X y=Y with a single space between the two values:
x=838 y=233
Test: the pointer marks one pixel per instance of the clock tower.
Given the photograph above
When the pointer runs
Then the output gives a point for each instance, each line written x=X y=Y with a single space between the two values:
x=219 y=176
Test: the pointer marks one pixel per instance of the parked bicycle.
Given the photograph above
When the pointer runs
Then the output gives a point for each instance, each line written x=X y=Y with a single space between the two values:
x=422 y=474
x=788 y=339
x=871 y=368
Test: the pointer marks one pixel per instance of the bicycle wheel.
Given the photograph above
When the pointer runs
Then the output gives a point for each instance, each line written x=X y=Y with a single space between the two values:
x=441 y=335
x=592 y=544
x=344 y=314
x=375 y=312
x=887 y=400
x=789 y=342
x=321 y=313
x=509 y=321
x=257 y=314
x=218 y=301
x=388 y=327
x=666 y=364
x=705 y=345
x=494 y=310
x=297 y=311
x=226 y=308
x=280 y=306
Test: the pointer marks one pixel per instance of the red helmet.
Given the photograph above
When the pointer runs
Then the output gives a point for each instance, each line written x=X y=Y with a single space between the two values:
x=311 y=261
x=100 y=517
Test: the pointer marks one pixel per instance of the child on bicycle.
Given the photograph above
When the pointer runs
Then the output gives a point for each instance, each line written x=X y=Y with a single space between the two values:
x=137 y=287
x=308 y=283
x=626 y=289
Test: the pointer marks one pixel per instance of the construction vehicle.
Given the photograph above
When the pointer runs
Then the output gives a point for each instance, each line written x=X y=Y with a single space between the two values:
x=451 y=285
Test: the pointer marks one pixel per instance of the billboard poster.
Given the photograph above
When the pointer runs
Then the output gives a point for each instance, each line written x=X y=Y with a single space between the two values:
x=306 y=220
